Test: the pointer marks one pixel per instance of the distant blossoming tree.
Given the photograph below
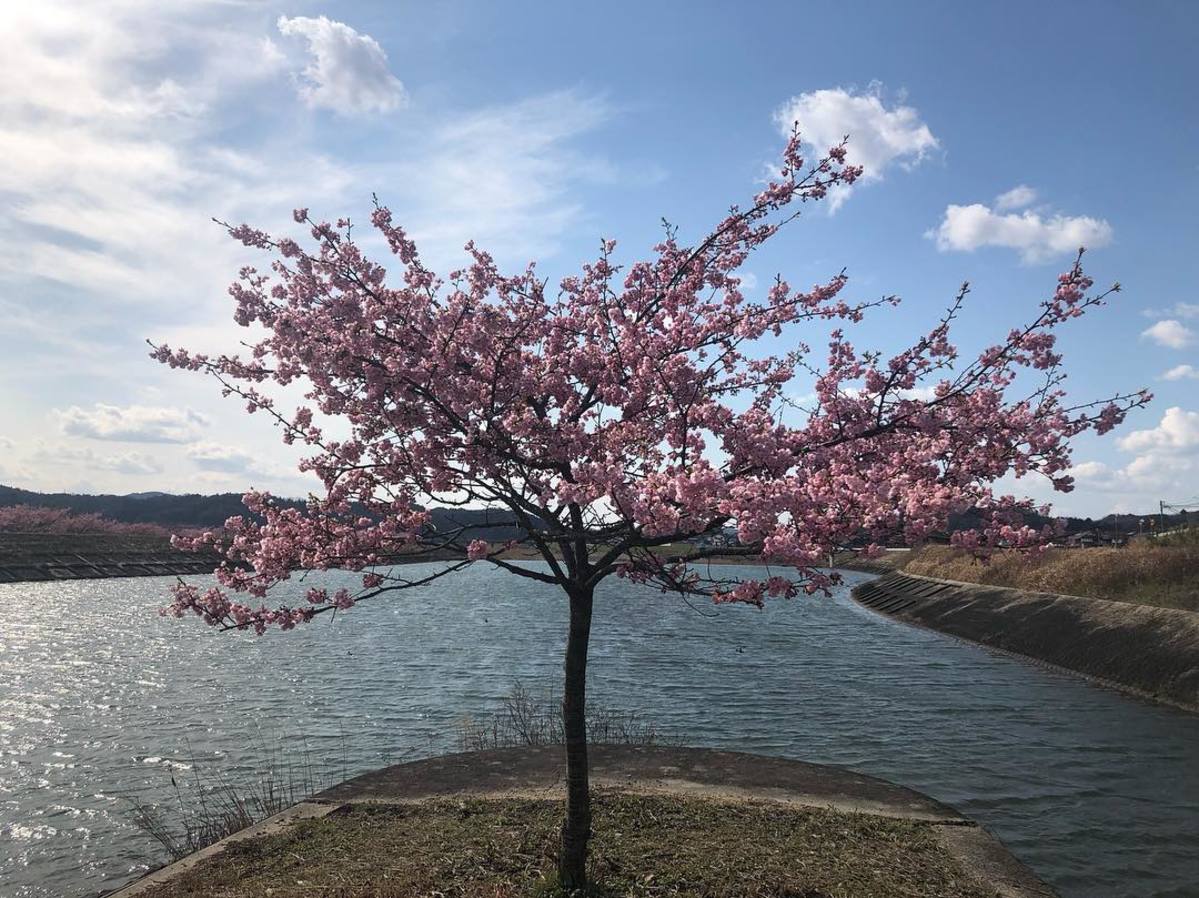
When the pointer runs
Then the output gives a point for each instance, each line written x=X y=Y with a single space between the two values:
x=624 y=410
x=37 y=519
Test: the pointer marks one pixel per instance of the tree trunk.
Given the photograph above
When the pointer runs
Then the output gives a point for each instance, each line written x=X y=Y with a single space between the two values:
x=576 y=828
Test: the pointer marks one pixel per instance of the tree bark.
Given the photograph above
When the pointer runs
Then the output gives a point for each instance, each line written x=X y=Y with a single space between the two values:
x=576 y=828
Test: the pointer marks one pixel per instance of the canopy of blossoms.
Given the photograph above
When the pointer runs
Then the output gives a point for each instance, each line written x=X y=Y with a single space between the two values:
x=622 y=410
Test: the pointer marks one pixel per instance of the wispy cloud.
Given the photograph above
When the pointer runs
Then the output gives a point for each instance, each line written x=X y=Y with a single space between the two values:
x=136 y=124
x=1017 y=198
x=1184 y=310
x=225 y=466
x=502 y=175
x=75 y=457
x=1182 y=372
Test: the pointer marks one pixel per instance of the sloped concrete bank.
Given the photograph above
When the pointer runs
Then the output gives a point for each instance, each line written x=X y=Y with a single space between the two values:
x=93 y=566
x=38 y=557
x=1151 y=652
x=695 y=772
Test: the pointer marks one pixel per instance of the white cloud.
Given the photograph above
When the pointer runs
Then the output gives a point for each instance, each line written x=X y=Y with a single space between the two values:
x=878 y=137
x=1036 y=238
x=132 y=463
x=348 y=73
x=1017 y=198
x=1161 y=473
x=1090 y=470
x=1178 y=431
x=1182 y=372
x=922 y=393
x=112 y=172
x=926 y=393
x=137 y=123
x=1171 y=333
x=132 y=424
x=1137 y=484
x=110 y=176
x=1166 y=463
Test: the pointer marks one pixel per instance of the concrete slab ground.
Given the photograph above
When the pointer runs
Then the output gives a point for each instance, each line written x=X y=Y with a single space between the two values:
x=540 y=771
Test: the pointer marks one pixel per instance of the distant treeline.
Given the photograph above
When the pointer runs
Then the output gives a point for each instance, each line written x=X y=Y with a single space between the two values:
x=1113 y=523
x=193 y=510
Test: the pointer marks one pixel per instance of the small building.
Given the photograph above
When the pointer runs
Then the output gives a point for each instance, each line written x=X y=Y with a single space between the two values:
x=1085 y=539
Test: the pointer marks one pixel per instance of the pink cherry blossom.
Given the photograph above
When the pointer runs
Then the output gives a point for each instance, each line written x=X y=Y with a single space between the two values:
x=625 y=410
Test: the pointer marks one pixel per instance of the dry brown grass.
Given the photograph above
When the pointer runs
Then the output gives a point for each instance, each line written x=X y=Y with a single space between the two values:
x=644 y=845
x=1142 y=572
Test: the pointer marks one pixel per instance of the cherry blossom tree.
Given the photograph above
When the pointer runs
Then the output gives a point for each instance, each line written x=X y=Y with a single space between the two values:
x=624 y=410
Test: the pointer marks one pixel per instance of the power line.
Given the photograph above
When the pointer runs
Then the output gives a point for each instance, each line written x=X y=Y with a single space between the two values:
x=1163 y=507
x=1180 y=506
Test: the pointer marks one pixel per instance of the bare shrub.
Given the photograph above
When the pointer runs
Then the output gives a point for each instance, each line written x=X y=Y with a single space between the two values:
x=208 y=807
x=525 y=719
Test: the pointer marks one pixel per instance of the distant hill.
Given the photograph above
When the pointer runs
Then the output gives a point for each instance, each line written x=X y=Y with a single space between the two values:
x=194 y=510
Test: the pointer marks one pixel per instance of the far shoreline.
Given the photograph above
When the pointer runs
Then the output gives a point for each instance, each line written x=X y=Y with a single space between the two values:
x=50 y=557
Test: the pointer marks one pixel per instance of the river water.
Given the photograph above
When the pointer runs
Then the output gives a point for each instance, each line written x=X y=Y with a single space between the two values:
x=103 y=700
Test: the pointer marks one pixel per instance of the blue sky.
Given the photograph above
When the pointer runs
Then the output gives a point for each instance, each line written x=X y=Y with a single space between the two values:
x=996 y=138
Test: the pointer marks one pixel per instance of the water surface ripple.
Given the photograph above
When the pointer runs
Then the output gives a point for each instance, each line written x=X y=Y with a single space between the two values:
x=101 y=699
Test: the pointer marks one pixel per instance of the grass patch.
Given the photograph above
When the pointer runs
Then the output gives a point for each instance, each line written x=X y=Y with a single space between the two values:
x=644 y=845
x=1164 y=573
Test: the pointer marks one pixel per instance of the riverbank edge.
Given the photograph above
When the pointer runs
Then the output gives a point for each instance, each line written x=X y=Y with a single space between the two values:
x=694 y=772
x=1146 y=651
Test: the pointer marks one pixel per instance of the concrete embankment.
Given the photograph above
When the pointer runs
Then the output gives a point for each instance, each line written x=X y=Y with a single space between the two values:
x=26 y=557
x=697 y=773
x=1152 y=652
x=33 y=557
